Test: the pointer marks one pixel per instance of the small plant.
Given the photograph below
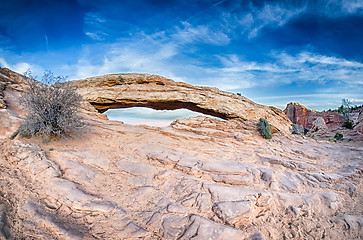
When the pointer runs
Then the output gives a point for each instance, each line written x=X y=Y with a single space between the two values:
x=348 y=124
x=298 y=129
x=313 y=136
x=53 y=109
x=264 y=128
x=338 y=137
x=121 y=79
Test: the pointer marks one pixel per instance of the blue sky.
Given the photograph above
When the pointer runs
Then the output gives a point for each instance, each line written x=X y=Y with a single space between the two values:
x=272 y=52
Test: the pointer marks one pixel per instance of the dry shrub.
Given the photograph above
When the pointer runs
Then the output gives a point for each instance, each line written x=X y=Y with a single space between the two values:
x=53 y=108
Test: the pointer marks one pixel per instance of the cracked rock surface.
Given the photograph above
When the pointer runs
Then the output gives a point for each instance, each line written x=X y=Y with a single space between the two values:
x=198 y=178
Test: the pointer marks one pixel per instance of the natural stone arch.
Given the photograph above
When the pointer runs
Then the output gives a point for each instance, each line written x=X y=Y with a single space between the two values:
x=136 y=90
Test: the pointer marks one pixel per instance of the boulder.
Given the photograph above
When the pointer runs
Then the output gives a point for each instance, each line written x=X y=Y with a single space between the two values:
x=319 y=126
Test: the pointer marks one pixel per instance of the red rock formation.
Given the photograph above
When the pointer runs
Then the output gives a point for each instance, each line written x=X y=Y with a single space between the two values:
x=297 y=113
x=301 y=115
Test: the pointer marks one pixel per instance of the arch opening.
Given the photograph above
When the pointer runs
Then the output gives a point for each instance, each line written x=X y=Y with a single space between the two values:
x=167 y=105
x=151 y=117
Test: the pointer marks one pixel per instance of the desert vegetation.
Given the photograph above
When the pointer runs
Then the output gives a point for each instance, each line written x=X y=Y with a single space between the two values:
x=345 y=109
x=53 y=108
x=264 y=128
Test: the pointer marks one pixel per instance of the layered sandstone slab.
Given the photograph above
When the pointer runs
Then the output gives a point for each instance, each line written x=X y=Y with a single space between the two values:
x=131 y=90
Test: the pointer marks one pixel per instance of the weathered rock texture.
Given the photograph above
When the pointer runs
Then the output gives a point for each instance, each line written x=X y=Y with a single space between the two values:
x=303 y=116
x=319 y=126
x=300 y=115
x=199 y=178
x=130 y=90
x=359 y=126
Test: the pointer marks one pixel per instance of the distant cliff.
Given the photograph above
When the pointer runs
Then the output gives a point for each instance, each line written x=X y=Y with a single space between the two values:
x=301 y=115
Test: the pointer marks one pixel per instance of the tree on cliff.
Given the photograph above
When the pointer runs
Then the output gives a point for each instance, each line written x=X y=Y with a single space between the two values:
x=53 y=108
x=345 y=109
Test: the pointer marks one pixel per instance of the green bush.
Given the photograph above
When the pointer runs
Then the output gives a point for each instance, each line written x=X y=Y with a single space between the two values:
x=348 y=124
x=264 y=128
x=338 y=136
x=52 y=109
x=313 y=136
x=298 y=129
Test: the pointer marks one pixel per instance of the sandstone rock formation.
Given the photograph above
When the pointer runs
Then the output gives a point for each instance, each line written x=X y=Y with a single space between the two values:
x=319 y=126
x=359 y=125
x=301 y=115
x=130 y=90
x=198 y=178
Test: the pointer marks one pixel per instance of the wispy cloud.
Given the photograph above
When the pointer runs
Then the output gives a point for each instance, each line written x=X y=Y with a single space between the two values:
x=144 y=54
x=201 y=33
x=250 y=20
x=94 y=26
x=164 y=52
x=272 y=15
x=319 y=101
x=303 y=67
x=341 y=6
x=22 y=67
x=352 y=6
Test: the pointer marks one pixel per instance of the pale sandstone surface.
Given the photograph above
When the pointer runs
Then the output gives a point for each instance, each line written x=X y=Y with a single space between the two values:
x=198 y=178
x=143 y=90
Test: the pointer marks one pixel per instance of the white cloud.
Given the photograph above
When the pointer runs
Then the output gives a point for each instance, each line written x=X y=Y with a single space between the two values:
x=273 y=15
x=352 y=6
x=341 y=6
x=200 y=33
x=302 y=67
x=94 y=26
x=319 y=101
x=309 y=67
x=22 y=67
x=161 y=53
x=250 y=23
x=143 y=54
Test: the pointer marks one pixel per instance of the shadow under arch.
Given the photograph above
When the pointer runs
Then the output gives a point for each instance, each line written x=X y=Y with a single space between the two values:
x=171 y=105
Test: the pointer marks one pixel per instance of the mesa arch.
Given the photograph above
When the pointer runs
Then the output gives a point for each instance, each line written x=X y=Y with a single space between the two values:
x=145 y=90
